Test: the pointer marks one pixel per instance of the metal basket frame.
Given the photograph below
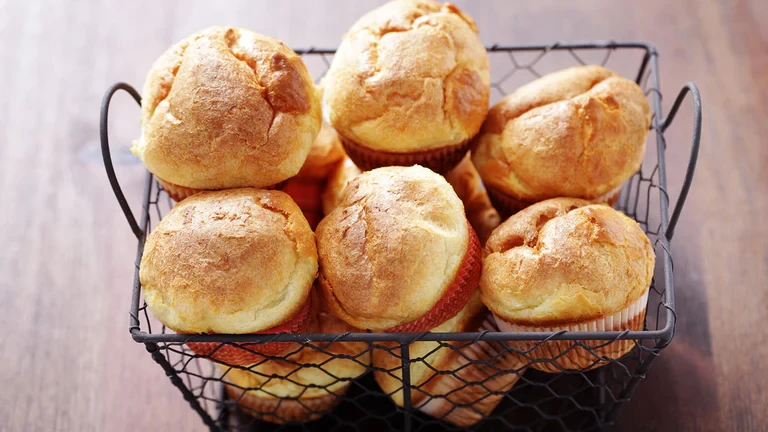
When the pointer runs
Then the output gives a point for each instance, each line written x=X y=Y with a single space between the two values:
x=650 y=342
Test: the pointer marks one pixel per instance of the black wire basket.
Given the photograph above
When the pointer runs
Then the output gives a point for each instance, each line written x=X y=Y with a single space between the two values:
x=568 y=400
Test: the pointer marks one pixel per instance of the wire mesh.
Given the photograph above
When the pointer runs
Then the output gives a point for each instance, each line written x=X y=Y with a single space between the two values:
x=482 y=379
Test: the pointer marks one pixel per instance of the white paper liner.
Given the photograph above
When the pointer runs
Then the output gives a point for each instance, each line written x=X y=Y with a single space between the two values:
x=577 y=357
x=475 y=394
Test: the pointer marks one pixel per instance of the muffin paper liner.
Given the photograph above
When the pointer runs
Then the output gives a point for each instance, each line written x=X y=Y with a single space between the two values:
x=179 y=193
x=233 y=354
x=176 y=192
x=609 y=198
x=456 y=296
x=476 y=389
x=507 y=205
x=439 y=160
x=279 y=410
x=306 y=194
x=566 y=355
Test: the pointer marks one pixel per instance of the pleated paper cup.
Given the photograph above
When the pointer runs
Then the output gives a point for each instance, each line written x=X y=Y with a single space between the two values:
x=241 y=354
x=507 y=205
x=176 y=192
x=244 y=354
x=179 y=193
x=440 y=160
x=457 y=295
x=566 y=355
x=284 y=410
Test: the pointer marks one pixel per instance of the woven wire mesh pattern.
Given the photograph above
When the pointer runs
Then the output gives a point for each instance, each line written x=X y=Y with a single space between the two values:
x=569 y=400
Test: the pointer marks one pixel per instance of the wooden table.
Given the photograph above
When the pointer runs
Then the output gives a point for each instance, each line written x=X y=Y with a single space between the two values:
x=66 y=253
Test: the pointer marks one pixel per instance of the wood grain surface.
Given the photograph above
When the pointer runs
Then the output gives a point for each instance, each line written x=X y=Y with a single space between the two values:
x=66 y=252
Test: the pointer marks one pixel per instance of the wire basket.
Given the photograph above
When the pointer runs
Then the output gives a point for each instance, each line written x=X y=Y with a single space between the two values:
x=568 y=400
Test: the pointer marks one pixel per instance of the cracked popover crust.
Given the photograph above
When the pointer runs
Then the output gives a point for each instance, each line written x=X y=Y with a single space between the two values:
x=408 y=85
x=579 y=133
x=565 y=261
x=397 y=254
x=227 y=108
x=235 y=261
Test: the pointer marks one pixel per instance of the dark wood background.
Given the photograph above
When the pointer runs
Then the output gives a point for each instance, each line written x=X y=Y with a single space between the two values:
x=66 y=252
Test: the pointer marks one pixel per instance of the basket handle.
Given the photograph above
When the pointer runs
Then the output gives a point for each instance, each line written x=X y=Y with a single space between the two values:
x=695 y=141
x=105 y=153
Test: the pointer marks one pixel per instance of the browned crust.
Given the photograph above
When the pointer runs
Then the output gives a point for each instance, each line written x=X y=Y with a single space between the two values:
x=555 y=87
x=565 y=261
x=234 y=261
x=410 y=75
x=439 y=160
x=577 y=133
x=228 y=108
x=392 y=247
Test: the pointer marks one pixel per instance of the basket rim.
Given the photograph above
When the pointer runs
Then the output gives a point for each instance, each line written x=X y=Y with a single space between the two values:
x=662 y=336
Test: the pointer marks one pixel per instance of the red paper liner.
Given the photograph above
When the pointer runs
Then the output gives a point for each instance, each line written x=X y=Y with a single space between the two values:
x=456 y=296
x=440 y=160
x=179 y=193
x=239 y=354
x=507 y=205
x=279 y=410
x=476 y=381
x=306 y=193
x=567 y=355
x=313 y=218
